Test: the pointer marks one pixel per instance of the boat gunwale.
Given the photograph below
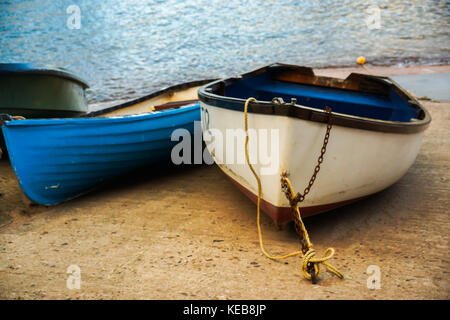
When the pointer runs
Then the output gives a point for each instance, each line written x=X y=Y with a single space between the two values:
x=91 y=120
x=316 y=114
x=94 y=116
x=9 y=69
x=152 y=95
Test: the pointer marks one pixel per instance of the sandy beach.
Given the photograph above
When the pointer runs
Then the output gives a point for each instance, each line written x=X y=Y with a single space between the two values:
x=187 y=232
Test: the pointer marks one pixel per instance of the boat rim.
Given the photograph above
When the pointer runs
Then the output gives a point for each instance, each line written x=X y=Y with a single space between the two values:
x=316 y=114
x=154 y=94
x=27 y=68
x=8 y=121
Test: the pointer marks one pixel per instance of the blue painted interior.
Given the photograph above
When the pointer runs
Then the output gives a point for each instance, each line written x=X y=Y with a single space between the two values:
x=262 y=87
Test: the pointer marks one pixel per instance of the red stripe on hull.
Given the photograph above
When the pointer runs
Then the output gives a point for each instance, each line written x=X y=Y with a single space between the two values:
x=282 y=215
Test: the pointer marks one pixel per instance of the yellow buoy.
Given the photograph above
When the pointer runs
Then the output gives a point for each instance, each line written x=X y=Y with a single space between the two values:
x=361 y=60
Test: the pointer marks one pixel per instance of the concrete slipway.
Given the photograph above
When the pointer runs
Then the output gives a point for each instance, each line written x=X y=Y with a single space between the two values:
x=188 y=233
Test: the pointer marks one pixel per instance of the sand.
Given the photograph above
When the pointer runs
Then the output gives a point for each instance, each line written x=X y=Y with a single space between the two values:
x=188 y=233
x=382 y=70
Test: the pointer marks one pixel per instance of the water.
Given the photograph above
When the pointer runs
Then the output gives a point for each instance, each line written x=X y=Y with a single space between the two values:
x=128 y=48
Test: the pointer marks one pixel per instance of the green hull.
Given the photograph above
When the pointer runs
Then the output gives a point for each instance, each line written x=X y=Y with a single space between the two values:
x=39 y=95
x=32 y=92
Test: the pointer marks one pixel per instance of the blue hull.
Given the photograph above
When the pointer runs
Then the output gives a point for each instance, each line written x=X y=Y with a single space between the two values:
x=59 y=159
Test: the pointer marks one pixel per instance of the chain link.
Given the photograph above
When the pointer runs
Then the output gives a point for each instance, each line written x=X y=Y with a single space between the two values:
x=300 y=197
x=294 y=200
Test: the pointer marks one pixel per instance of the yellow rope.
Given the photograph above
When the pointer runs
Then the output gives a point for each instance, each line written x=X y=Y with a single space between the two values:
x=367 y=69
x=309 y=256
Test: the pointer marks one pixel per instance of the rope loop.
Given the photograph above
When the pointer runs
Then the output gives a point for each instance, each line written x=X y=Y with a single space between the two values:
x=309 y=259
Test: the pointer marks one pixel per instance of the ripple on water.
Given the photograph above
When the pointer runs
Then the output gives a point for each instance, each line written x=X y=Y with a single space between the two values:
x=128 y=48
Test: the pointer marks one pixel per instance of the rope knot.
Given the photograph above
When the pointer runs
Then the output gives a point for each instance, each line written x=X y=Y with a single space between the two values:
x=311 y=265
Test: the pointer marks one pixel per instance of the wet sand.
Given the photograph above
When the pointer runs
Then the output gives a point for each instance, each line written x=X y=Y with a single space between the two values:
x=188 y=233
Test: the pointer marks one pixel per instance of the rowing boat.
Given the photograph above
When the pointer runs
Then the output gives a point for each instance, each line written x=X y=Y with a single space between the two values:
x=59 y=159
x=39 y=92
x=362 y=133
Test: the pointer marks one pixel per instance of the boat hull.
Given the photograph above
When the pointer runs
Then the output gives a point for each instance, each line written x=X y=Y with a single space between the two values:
x=281 y=215
x=357 y=162
x=32 y=92
x=59 y=159
x=40 y=93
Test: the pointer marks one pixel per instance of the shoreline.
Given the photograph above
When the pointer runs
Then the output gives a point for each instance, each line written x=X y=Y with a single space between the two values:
x=383 y=70
x=331 y=71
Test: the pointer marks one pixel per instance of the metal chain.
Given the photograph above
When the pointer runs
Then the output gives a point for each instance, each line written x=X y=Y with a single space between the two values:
x=300 y=197
x=310 y=264
x=294 y=200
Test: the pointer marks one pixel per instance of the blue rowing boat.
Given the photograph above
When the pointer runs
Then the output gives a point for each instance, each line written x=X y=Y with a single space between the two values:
x=31 y=91
x=59 y=159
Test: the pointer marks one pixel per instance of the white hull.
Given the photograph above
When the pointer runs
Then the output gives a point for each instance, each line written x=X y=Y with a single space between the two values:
x=357 y=162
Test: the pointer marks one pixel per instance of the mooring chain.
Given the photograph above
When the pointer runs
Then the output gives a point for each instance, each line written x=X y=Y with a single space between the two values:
x=310 y=264
x=295 y=199
x=300 y=197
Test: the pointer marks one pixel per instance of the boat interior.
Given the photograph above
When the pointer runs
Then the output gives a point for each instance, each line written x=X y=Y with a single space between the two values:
x=357 y=95
x=170 y=99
